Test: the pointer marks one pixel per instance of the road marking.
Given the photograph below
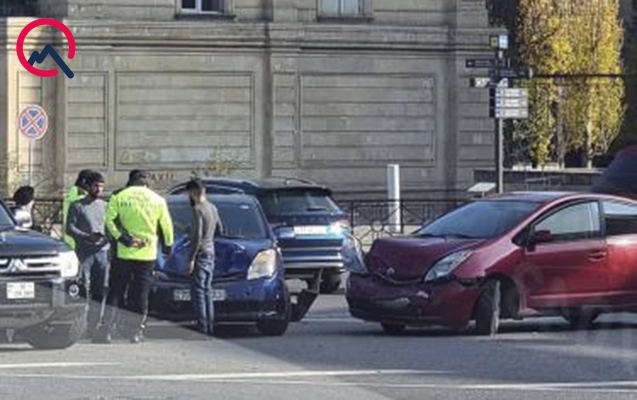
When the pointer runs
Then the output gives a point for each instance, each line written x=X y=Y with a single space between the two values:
x=56 y=365
x=231 y=377
x=270 y=378
x=289 y=374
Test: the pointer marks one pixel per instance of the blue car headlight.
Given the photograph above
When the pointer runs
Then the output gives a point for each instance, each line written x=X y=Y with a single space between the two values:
x=263 y=265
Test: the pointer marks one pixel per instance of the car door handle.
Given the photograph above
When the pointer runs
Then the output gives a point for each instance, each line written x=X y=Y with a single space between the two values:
x=597 y=255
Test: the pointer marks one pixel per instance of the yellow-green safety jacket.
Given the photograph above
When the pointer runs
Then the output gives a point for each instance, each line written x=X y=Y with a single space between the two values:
x=140 y=212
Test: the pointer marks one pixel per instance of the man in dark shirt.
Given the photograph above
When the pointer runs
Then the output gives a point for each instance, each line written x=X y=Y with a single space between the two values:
x=86 y=225
x=204 y=224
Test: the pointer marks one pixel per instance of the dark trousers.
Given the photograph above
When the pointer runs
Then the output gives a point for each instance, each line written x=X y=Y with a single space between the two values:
x=95 y=268
x=201 y=291
x=131 y=278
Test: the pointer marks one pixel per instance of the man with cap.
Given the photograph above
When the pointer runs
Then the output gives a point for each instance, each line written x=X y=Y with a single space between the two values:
x=86 y=225
x=135 y=218
x=77 y=192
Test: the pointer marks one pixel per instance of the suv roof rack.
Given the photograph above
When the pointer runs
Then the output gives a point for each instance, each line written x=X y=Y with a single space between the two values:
x=288 y=179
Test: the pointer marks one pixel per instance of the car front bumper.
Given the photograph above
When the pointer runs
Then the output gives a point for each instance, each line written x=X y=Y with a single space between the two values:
x=245 y=301
x=448 y=304
x=55 y=300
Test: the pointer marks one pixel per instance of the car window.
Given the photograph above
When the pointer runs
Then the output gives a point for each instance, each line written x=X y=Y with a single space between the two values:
x=280 y=202
x=620 y=218
x=484 y=219
x=575 y=222
x=240 y=220
x=5 y=218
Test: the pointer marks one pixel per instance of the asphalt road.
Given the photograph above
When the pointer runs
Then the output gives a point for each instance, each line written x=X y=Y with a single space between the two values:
x=331 y=356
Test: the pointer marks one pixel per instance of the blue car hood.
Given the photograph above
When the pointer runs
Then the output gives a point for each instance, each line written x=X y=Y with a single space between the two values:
x=232 y=257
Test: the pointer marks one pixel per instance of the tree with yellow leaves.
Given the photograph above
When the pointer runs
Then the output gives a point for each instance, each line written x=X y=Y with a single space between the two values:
x=580 y=38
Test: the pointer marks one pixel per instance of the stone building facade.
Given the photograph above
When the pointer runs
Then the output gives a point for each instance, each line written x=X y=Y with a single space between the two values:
x=329 y=90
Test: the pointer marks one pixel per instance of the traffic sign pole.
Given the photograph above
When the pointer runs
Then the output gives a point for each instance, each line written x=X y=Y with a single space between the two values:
x=499 y=145
x=504 y=103
x=33 y=123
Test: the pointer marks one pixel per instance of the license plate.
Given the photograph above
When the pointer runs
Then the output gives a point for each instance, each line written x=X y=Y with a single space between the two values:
x=310 y=230
x=20 y=290
x=184 y=295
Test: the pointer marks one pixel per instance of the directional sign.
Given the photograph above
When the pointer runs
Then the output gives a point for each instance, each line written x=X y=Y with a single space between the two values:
x=33 y=122
x=510 y=102
x=484 y=82
x=510 y=113
x=513 y=73
x=484 y=63
x=509 y=93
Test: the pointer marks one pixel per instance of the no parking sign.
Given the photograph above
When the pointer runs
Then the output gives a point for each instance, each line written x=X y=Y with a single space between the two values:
x=33 y=122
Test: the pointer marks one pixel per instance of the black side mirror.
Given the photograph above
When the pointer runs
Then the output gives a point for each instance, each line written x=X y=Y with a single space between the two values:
x=539 y=237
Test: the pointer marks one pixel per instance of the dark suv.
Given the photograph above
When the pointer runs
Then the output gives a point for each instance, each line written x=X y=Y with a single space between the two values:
x=41 y=296
x=620 y=177
x=309 y=226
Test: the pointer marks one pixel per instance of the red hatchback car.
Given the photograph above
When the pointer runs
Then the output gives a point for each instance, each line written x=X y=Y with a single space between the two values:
x=508 y=257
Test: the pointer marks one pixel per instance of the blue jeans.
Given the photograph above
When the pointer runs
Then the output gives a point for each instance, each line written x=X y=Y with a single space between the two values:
x=201 y=291
x=95 y=268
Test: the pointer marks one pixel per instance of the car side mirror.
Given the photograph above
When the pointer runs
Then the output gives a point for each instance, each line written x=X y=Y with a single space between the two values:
x=543 y=236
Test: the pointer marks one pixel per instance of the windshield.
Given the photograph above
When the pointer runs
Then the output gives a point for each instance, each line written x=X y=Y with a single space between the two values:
x=240 y=220
x=481 y=219
x=5 y=218
x=292 y=201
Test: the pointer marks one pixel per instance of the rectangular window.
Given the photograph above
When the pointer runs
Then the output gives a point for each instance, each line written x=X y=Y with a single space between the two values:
x=203 y=6
x=342 y=8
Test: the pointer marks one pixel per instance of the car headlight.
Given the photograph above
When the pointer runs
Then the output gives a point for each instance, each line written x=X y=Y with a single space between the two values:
x=339 y=227
x=263 y=265
x=447 y=265
x=353 y=257
x=69 y=264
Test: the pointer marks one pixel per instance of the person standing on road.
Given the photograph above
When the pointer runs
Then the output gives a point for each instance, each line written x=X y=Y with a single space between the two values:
x=86 y=225
x=24 y=198
x=135 y=218
x=77 y=192
x=203 y=226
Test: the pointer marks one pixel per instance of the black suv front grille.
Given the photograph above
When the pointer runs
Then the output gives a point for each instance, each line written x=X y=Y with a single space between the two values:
x=30 y=266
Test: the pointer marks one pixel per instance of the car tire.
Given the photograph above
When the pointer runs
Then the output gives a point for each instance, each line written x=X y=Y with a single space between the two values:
x=393 y=329
x=55 y=335
x=277 y=326
x=580 y=319
x=487 y=309
x=273 y=327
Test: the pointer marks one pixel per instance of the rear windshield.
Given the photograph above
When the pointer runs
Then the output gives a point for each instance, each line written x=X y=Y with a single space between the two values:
x=481 y=220
x=293 y=201
x=240 y=220
x=5 y=219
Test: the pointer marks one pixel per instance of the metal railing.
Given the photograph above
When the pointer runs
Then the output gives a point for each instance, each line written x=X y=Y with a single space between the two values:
x=373 y=219
x=369 y=219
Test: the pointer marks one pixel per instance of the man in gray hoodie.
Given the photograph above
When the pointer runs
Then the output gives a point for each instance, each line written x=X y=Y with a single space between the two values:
x=86 y=225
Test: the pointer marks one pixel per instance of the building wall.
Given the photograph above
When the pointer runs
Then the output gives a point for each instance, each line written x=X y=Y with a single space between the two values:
x=331 y=100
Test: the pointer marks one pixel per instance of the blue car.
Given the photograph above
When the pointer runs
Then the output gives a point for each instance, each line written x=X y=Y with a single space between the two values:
x=310 y=227
x=249 y=281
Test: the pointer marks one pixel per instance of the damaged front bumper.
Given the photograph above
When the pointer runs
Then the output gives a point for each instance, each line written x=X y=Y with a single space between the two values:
x=447 y=303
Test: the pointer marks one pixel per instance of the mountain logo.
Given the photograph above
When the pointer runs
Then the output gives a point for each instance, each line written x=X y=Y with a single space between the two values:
x=48 y=50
